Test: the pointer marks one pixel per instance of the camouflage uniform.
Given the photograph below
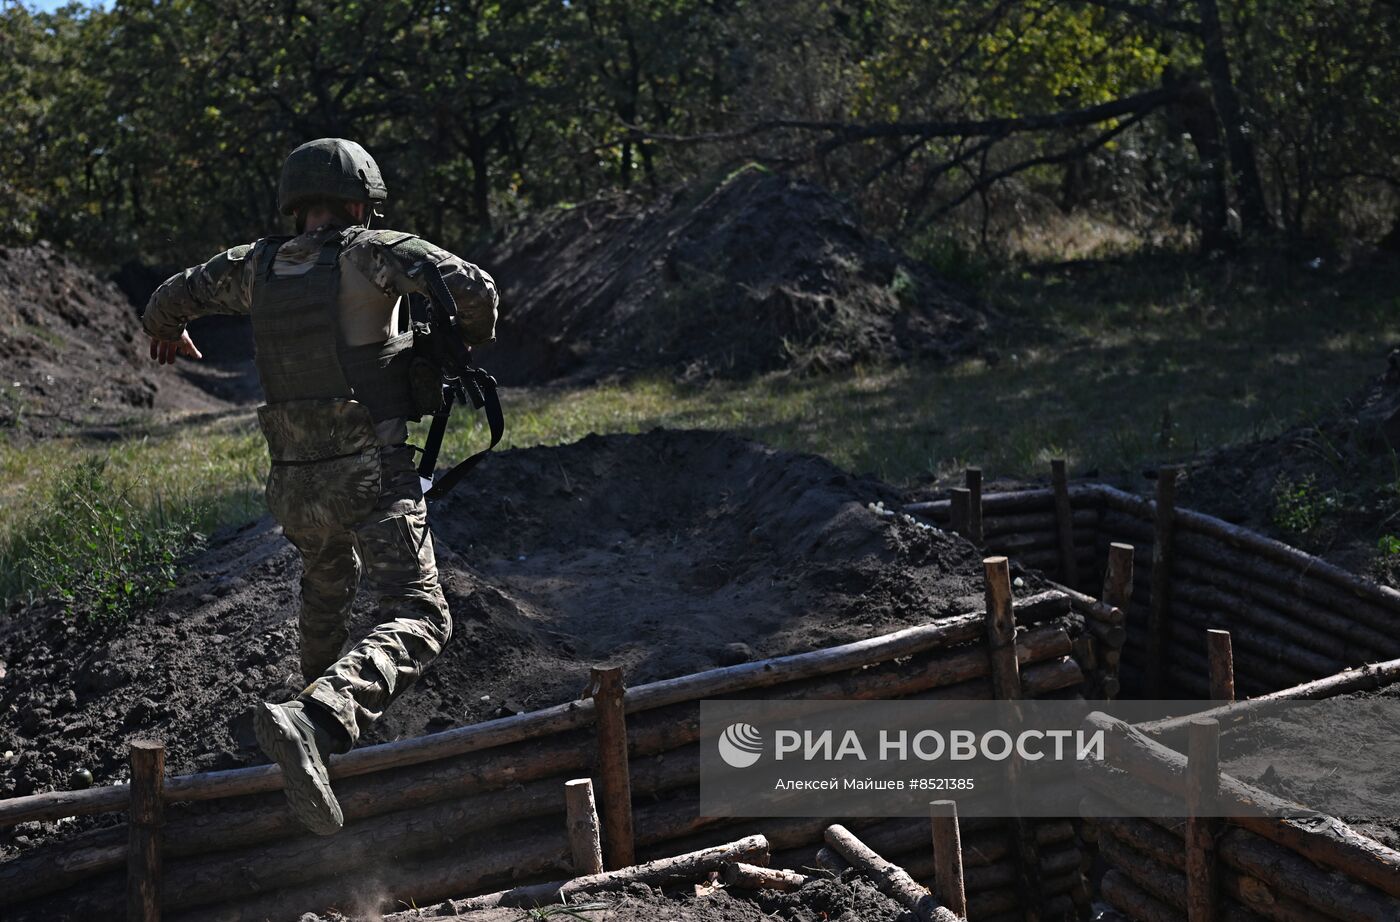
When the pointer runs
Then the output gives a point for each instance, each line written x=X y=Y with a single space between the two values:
x=361 y=512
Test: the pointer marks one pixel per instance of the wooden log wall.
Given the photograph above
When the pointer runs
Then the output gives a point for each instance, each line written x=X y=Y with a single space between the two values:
x=1292 y=617
x=493 y=816
x=1278 y=870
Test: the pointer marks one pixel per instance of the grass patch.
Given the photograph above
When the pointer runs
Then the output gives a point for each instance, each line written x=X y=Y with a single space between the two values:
x=100 y=526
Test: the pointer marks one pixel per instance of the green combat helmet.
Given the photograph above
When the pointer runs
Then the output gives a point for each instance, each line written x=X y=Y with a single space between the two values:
x=330 y=168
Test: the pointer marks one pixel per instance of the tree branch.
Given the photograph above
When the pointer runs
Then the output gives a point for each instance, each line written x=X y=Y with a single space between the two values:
x=843 y=133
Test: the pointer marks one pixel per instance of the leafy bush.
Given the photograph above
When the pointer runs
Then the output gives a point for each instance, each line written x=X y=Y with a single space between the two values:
x=1299 y=505
x=99 y=552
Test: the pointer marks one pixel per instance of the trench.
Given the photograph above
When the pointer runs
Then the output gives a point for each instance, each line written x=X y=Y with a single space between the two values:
x=479 y=808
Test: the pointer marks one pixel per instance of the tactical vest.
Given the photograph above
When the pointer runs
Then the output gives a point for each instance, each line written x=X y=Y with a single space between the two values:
x=300 y=350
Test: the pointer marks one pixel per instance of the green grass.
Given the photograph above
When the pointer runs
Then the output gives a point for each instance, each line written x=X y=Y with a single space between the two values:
x=69 y=508
x=1114 y=368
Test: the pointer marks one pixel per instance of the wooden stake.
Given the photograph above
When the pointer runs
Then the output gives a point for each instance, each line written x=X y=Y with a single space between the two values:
x=1157 y=615
x=947 y=856
x=1064 y=521
x=1118 y=578
x=612 y=765
x=1117 y=594
x=975 y=530
x=1222 y=665
x=143 y=824
x=585 y=838
x=960 y=510
x=1001 y=629
x=1202 y=787
x=1006 y=686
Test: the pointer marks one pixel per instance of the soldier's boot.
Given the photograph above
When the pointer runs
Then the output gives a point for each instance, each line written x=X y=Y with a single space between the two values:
x=301 y=741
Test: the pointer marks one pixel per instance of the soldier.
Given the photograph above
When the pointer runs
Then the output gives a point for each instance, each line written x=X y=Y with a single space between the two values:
x=332 y=334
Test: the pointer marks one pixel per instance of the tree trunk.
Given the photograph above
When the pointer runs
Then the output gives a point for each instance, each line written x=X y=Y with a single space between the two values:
x=1249 y=188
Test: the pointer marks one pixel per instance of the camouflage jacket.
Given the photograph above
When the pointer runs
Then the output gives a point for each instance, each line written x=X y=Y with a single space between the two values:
x=376 y=270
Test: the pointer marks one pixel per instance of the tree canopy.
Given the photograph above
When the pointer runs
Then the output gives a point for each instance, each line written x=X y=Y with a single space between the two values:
x=155 y=130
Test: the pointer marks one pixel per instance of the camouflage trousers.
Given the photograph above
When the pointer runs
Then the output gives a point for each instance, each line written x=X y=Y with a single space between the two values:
x=393 y=549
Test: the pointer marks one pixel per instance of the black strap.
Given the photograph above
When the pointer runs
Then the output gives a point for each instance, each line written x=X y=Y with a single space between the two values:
x=495 y=420
x=466 y=382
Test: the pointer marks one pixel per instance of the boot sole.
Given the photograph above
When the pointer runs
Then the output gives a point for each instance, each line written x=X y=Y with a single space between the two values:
x=307 y=786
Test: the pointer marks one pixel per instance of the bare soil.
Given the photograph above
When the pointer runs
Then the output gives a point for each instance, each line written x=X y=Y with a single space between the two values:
x=73 y=359
x=1283 y=753
x=668 y=553
x=760 y=273
x=844 y=898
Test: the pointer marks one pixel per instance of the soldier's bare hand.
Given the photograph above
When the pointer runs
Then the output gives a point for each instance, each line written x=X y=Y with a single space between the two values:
x=165 y=350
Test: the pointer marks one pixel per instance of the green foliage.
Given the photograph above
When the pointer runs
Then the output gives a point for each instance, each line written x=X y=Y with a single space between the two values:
x=1300 y=506
x=96 y=550
x=131 y=119
x=1389 y=547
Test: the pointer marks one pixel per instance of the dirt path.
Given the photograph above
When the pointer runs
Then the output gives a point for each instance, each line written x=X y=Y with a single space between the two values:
x=669 y=553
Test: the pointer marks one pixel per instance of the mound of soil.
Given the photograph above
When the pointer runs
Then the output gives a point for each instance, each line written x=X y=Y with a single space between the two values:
x=847 y=898
x=1332 y=488
x=666 y=553
x=73 y=359
x=763 y=273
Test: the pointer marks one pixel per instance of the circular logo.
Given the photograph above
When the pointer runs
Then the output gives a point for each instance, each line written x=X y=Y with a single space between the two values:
x=740 y=745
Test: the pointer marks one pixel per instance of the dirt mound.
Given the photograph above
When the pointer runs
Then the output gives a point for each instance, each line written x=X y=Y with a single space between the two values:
x=762 y=273
x=668 y=553
x=73 y=358
x=1332 y=487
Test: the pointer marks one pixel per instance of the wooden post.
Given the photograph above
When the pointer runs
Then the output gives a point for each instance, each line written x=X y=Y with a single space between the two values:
x=974 y=505
x=612 y=766
x=1118 y=578
x=143 y=831
x=1001 y=630
x=947 y=856
x=585 y=838
x=1202 y=789
x=960 y=510
x=1222 y=665
x=1006 y=686
x=1117 y=593
x=1158 y=628
x=1064 y=520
